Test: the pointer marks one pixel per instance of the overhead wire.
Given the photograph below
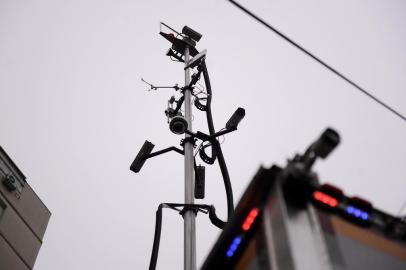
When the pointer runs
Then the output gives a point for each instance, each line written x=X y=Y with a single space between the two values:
x=317 y=59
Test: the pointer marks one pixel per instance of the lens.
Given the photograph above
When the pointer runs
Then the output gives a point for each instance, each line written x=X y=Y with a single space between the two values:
x=178 y=125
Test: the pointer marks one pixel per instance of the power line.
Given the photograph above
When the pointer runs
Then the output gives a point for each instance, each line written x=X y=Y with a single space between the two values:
x=362 y=90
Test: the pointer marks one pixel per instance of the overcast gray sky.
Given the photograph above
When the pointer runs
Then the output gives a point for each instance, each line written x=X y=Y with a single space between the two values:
x=74 y=112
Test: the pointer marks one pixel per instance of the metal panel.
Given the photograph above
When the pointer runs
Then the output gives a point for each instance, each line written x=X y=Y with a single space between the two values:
x=2 y=207
x=362 y=248
x=296 y=240
x=277 y=235
x=33 y=211
x=9 y=259
x=304 y=237
x=19 y=236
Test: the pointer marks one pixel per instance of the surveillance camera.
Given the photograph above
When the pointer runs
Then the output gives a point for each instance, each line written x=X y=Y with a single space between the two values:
x=191 y=33
x=139 y=160
x=328 y=140
x=235 y=119
x=178 y=125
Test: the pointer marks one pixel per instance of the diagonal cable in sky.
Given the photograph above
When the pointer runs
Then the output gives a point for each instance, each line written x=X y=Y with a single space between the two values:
x=362 y=90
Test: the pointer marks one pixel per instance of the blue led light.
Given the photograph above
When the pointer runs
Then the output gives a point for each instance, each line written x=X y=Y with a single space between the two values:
x=233 y=247
x=358 y=213
x=237 y=240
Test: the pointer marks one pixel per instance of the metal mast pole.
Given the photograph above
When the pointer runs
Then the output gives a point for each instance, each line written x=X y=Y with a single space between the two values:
x=189 y=215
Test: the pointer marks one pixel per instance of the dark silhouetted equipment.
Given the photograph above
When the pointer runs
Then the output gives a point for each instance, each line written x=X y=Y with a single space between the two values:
x=139 y=160
x=235 y=119
x=321 y=148
x=184 y=41
x=172 y=53
x=328 y=140
x=178 y=125
x=183 y=49
x=326 y=230
x=191 y=33
x=200 y=172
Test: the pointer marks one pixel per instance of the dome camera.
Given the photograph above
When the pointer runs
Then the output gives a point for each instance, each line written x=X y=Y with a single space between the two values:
x=178 y=125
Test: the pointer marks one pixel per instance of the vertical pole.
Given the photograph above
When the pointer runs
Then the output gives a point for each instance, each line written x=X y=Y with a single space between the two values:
x=189 y=216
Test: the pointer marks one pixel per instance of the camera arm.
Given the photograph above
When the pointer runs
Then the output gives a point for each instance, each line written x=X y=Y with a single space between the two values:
x=204 y=137
x=163 y=151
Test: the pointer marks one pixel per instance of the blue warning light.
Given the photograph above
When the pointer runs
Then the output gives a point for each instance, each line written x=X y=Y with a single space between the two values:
x=233 y=247
x=358 y=213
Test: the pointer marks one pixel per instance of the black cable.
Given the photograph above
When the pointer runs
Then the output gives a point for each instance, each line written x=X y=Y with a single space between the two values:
x=216 y=148
x=214 y=219
x=209 y=98
x=226 y=178
x=157 y=238
x=158 y=223
x=317 y=59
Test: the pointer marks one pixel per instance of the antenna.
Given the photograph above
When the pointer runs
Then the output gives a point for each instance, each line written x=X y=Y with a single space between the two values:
x=153 y=87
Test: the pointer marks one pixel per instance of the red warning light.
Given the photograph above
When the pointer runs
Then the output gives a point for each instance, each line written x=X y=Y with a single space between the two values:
x=250 y=219
x=325 y=199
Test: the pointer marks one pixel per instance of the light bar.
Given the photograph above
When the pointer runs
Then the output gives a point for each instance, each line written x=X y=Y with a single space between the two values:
x=332 y=190
x=325 y=199
x=250 y=219
x=356 y=212
x=233 y=247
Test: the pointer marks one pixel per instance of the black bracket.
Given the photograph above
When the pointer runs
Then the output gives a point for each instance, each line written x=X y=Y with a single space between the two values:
x=163 y=151
x=193 y=81
x=145 y=153
x=204 y=137
x=207 y=138
x=187 y=87
x=203 y=208
x=173 y=112
x=190 y=139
